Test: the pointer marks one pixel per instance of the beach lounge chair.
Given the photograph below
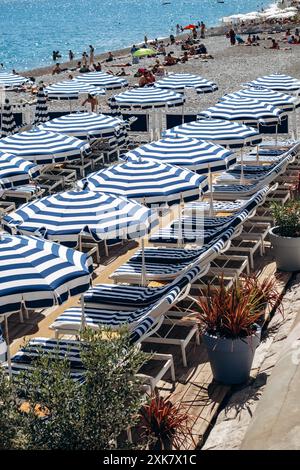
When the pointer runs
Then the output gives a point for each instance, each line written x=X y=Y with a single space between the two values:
x=25 y=193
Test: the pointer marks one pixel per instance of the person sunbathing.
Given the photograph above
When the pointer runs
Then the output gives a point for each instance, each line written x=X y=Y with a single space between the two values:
x=56 y=69
x=170 y=60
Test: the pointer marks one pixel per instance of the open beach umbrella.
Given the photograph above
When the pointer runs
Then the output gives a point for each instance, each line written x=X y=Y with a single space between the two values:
x=277 y=82
x=102 y=80
x=244 y=110
x=148 y=182
x=180 y=81
x=144 y=52
x=38 y=274
x=83 y=125
x=190 y=26
x=14 y=171
x=196 y=155
x=64 y=217
x=227 y=133
x=43 y=147
x=41 y=109
x=71 y=90
x=147 y=98
x=265 y=95
x=8 y=123
x=10 y=80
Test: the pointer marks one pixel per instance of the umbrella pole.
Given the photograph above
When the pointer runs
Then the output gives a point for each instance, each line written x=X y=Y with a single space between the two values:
x=211 y=197
x=180 y=234
x=82 y=326
x=144 y=275
x=296 y=129
x=276 y=136
x=257 y=154
x=8 y=346
x=242 y=165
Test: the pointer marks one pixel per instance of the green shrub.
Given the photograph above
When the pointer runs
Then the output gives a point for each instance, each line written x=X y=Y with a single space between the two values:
x=287 y=218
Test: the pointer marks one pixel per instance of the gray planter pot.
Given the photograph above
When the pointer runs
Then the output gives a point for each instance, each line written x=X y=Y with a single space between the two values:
x=286 y=251
x=231 y=359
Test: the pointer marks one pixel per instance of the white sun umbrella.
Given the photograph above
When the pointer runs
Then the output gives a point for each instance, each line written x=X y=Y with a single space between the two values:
x=277 y=82
x=148 y=98
x=43 y=147
x=71 y=90
x=38 y=274
x=10 y=80
x=152 y=183
x=180 y=81
x=14 y=171
x=88 y=125
x=103 y=80
x=65 y=217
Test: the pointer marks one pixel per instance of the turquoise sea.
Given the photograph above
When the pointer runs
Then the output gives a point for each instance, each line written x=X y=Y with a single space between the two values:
x=31 y=29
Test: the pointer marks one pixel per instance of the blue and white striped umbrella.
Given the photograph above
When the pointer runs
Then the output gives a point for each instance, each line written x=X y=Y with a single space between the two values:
x=103 y=80
x=14 y=171
x=82 y=125
x=63 y=217
x=41 y=109
x=10 y=80
x=8 y=123
x=192 y=154
x=278 y=82
x=37 y=273
x=244 y=110
x=265 y=95
x=180 y=81
x=148 y=97
x=70 y=90
x=148 y=182
x=227 y=133
x=43 y=147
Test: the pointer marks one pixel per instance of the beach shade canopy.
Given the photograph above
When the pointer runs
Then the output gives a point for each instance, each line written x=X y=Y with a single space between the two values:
x=196 y=155
x=190 y=26
x=10 y=80
x=148 y=182
x=244 y=110
x=277 y=82
x=102 y=80
x=65 y=216
x=43 y=147
x=83 y=125
x=41 y=109
x=265 y=95
x=180 y=81
x=14 y=171
x=227 y=133
x=144 y=52
x=37 y=273
x=147 y=97
x=71 y=90
x=8 y=123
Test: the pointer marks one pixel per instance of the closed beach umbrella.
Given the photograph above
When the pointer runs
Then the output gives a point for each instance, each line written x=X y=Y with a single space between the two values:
x=14 y=171
x=41 y=109
x=277 y=82
x=82 y=125
x=38 y=274
x=265 y=95
x=147 y=181
x=143 y=52
x=192 y=154
x=180 y=81
x=65 y=216
x=147 y=98
x=227 y=133
x=10 y=80
x=102 y=80
x=8 y=123
x=244 y=110
x=71 y=90
x=43 y=147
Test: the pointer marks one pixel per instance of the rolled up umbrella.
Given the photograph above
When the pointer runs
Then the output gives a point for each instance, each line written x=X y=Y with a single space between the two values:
x=41 y=109
x=8 y=123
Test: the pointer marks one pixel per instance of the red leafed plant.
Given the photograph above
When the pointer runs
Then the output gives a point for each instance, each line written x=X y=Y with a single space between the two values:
x=234 y=312
x=267 y=291
x=167 y=423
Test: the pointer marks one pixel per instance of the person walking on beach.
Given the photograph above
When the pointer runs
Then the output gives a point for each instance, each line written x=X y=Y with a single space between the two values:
x=71 y=55
x=84 y=59
x=93 y=101
x=232 y=36
x=202 y=30
x=92 y=54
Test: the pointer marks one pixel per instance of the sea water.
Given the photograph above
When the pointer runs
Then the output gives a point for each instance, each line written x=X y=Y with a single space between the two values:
x=31 y=29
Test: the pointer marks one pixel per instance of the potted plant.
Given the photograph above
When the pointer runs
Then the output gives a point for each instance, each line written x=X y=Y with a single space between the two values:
x=229 y=323
x=165 y=424
x=285 y=235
